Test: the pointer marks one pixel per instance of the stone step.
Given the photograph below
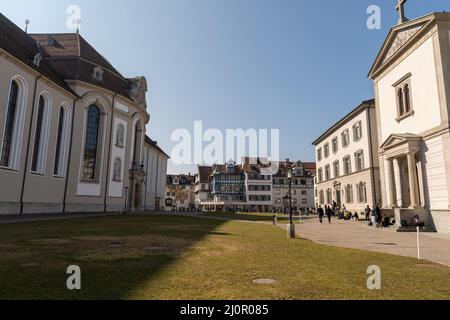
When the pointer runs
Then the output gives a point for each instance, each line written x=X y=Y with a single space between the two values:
x=414 y=229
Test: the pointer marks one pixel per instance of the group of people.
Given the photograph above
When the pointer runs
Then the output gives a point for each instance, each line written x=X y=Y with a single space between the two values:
x=373 y=216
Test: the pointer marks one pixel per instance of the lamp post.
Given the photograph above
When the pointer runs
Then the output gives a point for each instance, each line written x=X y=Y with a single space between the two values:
x=291 y=226
x=126 y=202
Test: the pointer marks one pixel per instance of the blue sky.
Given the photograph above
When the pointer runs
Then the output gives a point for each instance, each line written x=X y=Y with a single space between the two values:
x=293 y=65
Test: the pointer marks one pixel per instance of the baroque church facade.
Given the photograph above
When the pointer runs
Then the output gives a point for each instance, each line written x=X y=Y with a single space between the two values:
x=411 y=77
x=72 y=129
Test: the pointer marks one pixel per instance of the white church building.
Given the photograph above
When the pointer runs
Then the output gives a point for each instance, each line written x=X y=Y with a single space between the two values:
x=411 y=76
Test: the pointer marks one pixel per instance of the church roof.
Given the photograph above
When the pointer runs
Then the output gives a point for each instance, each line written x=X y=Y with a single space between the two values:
x=74 y=58
x=154 y=144
x=19 y=44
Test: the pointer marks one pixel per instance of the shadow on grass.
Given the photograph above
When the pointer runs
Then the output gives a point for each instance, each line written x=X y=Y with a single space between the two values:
x=117 y=255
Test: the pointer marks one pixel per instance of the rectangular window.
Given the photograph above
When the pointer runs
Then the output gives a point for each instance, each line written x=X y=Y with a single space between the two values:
x=335 y=145
x=357 y=131
x=345 y=138
x=347 y=165
x=327 y=173
x=359 y=160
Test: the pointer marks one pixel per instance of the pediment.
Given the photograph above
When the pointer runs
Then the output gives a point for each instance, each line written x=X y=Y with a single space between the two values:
x=398 y=39
x=398 y=139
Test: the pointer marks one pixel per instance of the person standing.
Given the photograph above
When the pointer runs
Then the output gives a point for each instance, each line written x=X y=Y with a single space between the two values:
x=321 y=214
x=367 y=212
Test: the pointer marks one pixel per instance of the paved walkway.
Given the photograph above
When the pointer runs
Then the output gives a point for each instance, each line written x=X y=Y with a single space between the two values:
x=434 y=247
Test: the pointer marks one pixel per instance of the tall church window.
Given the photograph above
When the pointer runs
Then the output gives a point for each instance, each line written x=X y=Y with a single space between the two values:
x=137 y=143
x=40 y=136
x=61 y=142
x=91 y=144
x=5 y=160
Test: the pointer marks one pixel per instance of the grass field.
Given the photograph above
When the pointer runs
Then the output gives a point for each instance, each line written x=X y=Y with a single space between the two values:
x=155 y=257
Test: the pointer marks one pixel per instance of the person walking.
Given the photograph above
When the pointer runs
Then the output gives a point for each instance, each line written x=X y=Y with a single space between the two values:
x=379 y=216
x=321 y=214
x=329 y=213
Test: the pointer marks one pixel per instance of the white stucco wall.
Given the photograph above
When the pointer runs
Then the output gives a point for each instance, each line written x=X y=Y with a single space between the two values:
x=424 y=94
x=350 y=150
x=436 y=177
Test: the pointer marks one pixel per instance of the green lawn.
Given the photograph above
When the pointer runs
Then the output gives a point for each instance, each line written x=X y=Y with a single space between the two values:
x=138 y=257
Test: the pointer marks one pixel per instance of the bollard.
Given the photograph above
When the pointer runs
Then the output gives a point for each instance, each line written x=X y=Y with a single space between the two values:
x=275 y=220
x=418 y=243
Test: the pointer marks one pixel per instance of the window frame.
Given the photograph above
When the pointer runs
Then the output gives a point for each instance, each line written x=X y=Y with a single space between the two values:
x=403 y=97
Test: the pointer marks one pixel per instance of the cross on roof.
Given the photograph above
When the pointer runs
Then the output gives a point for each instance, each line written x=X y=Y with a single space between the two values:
x=401 y=11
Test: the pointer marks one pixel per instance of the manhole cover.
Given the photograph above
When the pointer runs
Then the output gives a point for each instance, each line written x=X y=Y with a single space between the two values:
x=115 y=244
x=386 y=244
x=155 y=248
x=265 y=281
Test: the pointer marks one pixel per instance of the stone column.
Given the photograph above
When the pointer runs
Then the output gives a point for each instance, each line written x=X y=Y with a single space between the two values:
x=413 y=187
x=391 y=179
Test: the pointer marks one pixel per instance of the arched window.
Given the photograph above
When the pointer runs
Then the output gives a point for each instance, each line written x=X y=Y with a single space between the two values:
x=120 y=134
x=91 y=143
x=61 y=142
x=362 y=193
x=117 y=170
x=37 y=160
x=401 y=106
x=329 y=196
x=349 y=193
x=407 y=98
x=5 y=160
x=137 y=143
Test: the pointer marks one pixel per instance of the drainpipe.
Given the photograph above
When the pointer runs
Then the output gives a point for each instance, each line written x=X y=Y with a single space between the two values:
x=69 y=157
x=108 y=165
x=28 y=145
x=372 y=165
x=156 y=180
x=146 y=180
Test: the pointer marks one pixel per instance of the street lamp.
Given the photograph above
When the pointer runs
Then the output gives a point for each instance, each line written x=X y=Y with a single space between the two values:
x=291 y=227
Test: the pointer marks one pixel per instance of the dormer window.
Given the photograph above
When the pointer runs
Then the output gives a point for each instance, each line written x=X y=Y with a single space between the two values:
x=403 y=97
x=37 y=60
x=98 y=74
